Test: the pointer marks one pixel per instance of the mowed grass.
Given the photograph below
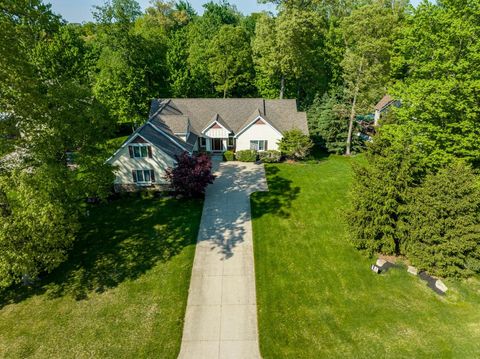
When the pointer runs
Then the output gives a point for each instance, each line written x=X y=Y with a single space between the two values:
x=121 y=294
x=318 y=298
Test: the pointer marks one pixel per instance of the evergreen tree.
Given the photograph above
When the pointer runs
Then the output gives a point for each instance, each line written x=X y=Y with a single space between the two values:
x=328 y=122
x=396 y=161
x=444 y=223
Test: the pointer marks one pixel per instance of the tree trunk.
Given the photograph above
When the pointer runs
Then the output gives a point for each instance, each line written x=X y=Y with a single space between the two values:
x=348 y=150
x=282 y=87
x=350 y=123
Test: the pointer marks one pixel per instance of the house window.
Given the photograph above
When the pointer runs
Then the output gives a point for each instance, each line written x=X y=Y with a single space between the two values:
x=140 y=151
x=258 y=145
x=143 y=177
x=203 y=142
x=230 y=141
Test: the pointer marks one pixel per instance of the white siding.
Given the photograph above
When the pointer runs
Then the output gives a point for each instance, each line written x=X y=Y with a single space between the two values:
x=123 y=173
x=258 y=132
x=217 y=133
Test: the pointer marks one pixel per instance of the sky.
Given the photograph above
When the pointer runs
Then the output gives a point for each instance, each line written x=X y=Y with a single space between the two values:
x=81 y=10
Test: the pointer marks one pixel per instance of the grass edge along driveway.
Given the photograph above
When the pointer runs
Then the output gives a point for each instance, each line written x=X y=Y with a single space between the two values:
x=317 y=297
x=121 y=294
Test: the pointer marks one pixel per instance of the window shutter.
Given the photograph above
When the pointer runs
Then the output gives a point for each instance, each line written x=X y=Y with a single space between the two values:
x=266 y=145
x=152 y=175
x=134 y=175
x=130 y=150
x=149 y=151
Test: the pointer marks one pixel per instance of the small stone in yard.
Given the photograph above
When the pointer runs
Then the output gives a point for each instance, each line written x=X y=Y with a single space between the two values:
x=412 y=270
x=375 y=268
x=381 y=262
x=441 y=286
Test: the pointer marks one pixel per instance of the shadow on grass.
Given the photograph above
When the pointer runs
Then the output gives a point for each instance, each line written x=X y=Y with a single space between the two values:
x=278 y=199
x=119 y=241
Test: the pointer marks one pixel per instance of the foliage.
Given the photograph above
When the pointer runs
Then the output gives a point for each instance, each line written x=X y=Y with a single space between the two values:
x=51 y=105
x=328 y=123
x=444 y=223
x=230 y=64
x=295 y=144
x=39 y=225
x=288 y=52
x=246 y=155
x=192 y=174
x=120 y=81
x=397 y=160
x=270 y=156
x=436 y=60
x=228 y=155
x=369 y=33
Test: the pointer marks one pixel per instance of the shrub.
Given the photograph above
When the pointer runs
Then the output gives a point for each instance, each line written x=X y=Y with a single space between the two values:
x=192 y=174
x=270 y=156
x=295 y=144
x=246 y=156
x=444 y=223
x=228 y=156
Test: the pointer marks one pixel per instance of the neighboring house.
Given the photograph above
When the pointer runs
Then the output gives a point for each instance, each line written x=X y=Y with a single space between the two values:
x=192 y=125
x=383 y=106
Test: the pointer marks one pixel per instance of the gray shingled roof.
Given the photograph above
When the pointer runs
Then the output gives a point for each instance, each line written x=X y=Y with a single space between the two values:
x=163 y=141
x=234 y=113
x=176 y=123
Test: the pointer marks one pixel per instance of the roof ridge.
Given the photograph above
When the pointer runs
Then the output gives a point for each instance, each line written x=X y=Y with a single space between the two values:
x=176 y=140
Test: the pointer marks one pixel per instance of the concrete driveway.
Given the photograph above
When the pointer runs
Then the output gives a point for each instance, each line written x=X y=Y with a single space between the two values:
x=221 y=316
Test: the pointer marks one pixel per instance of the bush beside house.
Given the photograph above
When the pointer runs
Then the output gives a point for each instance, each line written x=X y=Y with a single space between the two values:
x=246 y=156
x=295 y=144
x=228 y=155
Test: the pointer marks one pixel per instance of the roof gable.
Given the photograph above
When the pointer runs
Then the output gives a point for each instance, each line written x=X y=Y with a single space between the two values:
x=234 y=114
x=259 y=119
x=217 y=122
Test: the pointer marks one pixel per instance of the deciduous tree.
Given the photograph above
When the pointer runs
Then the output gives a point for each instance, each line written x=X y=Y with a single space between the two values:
x=230 y=64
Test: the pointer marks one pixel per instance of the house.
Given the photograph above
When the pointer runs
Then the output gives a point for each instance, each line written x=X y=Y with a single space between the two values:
x=196 y=125
x=383 y=106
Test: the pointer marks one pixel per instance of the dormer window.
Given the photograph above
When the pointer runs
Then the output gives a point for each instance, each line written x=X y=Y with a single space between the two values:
x=138 y=150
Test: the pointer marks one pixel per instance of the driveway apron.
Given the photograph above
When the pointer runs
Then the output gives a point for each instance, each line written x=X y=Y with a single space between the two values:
x=221 y=315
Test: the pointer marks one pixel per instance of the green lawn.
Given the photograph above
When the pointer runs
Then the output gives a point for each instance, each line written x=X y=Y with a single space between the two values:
x=317 y=297
x=122 y=294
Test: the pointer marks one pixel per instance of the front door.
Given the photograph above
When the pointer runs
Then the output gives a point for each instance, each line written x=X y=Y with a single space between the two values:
x=217 y=144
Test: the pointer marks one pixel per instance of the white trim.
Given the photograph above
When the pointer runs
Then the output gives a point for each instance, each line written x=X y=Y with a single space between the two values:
x=212 y=123
x=144 y=183
x=168 y=136
x=252 y=122
x=128 y=141
x=265 y=142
